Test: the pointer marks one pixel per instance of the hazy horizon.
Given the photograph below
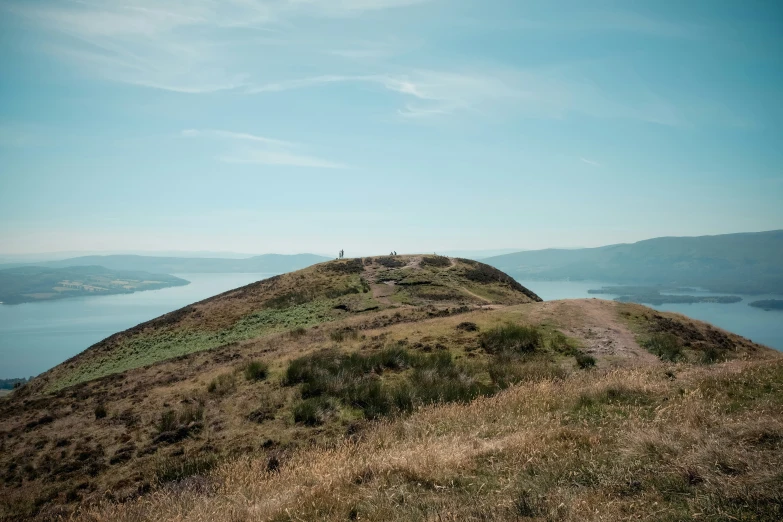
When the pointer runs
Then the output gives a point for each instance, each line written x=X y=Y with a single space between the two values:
x=488 y=252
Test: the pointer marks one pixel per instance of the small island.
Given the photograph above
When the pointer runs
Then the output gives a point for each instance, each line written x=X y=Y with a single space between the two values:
x=31 y=284
x=768 y=304
x=654 y=296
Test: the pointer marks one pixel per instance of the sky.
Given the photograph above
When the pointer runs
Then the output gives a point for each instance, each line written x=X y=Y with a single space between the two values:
x=375 y=125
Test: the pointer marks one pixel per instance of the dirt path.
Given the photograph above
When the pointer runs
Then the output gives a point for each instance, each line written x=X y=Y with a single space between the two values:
x=605 y=335
x=382 y=291
x=596 y=323
x=478 y=296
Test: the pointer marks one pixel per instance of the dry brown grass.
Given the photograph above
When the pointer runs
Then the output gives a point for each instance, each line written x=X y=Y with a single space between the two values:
x=253 y=418
x=540 y=445
x=623 y=444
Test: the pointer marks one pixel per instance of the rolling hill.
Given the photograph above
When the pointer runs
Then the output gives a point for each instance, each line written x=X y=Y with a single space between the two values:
x=400 y=388
x=747 y=263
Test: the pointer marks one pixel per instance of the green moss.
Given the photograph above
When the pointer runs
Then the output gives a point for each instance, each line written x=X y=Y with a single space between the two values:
x=148 y=348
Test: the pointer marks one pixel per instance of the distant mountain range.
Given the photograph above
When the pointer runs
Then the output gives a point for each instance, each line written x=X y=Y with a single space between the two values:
x=749 y=263
x=271 y=263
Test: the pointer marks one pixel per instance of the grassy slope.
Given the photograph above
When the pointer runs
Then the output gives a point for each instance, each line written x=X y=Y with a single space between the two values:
x=322 y=293
x=183 y=416
x=704 y=444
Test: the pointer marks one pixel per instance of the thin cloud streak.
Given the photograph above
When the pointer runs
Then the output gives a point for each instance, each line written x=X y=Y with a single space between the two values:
x=267 y=151
x=281 y=158
x=539 y=94
x=193 y=133
x=590 y=162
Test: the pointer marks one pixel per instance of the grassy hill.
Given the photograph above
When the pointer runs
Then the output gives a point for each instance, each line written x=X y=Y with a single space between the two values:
x=270 y=263
x=32 y=283
x=400 y=388
x=733 y=263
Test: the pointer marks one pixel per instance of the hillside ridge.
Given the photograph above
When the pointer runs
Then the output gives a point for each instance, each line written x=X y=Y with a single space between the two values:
x=291 y=367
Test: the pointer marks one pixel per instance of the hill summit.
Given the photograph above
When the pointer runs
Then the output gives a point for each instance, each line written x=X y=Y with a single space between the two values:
x=398 y=388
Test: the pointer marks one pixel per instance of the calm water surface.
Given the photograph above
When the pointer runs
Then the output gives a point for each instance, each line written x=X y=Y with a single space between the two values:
x=756 y=324
x=36 y=336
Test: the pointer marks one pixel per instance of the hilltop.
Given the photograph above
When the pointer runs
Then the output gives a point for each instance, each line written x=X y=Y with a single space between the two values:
x=407 y=388
x=747 y=263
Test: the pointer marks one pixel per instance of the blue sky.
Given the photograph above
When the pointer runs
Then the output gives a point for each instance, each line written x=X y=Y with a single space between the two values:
x=414 y=125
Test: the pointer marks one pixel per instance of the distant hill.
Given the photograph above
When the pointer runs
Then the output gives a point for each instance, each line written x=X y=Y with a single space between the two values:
x=749 y=263
x=272 y=263
x=33 y=283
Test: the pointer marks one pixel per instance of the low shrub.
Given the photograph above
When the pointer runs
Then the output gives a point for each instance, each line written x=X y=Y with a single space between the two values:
x=559 y=343
x=712 y=355
x=100 y=411
x=511 y=338
x=467 y=326
x=665 y=345
x=342 y=334
x=171 y=420
x=354 y=380
x=435 y=261
x=222 y=384
x=584 y=360
x=256 y=371
x=390 y=261
x=313 y=411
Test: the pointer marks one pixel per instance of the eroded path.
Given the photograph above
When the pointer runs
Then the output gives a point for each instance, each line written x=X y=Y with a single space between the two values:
x=598 y=325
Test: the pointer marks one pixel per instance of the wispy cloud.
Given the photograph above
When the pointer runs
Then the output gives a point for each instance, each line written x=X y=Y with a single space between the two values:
x=590 y=162
x=180 y=46
x=434 y=92
x=347 y=7
x=245 y=148
x=215 y=133
x=271 y=157
x=203 y=46
x=535 y=93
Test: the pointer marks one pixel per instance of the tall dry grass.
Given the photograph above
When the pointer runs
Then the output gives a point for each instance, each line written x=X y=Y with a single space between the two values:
x=631 y=444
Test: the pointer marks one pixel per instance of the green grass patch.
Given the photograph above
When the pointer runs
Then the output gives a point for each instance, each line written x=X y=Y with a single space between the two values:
x=584 y=361
x=148 y=348
x=313 y=411
x=354 y=380
x=512 y=338
x=666 y=346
